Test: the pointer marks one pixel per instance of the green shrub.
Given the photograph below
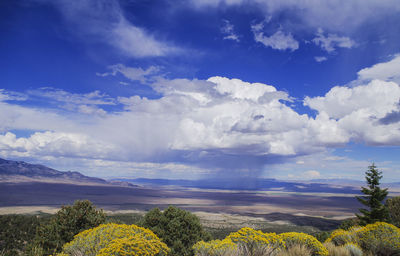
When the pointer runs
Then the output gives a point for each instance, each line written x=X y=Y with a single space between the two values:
x=17 y=231
x=349 y=223
x=35 y=251
x=322 y=236
x=178 y=228
x=393 y=206
x=65 y=224
x=115 y=240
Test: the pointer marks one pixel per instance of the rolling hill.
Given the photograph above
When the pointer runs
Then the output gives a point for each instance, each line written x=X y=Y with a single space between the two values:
x=19 y=171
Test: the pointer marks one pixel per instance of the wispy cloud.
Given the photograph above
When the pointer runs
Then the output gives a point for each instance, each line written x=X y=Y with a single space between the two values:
x=136 y=42
x=334 y=15
x=10 y=95
x=311 y=174
x=59 y=95
x=104 y=21
x=88 y=103
x=320 y=58
x=228 y=31
x=279 y=40
x=131 y=73
x=332 y=41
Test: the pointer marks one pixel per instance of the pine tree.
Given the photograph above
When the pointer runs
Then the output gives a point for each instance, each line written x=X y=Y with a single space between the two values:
x=373 y=199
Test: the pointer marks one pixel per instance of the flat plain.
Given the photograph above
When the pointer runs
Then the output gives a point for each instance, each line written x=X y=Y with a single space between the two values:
x=216 y=208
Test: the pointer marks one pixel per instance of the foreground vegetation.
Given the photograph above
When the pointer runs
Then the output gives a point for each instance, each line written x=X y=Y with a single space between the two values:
x=81 y=229
x=17 y=231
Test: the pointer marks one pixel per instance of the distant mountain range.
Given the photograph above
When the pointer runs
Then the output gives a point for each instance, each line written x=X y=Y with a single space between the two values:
x=19 y=171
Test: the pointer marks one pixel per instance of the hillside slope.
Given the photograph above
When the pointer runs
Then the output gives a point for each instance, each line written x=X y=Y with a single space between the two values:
x=19 y=171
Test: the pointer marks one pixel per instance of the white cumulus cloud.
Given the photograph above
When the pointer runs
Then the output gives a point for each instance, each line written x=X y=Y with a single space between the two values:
x=387 y=71
x=358 y=111
x=53 y=144
x=377 y=98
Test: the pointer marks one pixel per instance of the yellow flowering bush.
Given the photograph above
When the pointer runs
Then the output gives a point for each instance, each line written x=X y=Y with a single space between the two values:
x=135 y=245
x=342 y=237
x=116 y=240
x=377 y=239
x=293 y=238
x=249 y=235
x=215 y=248
x=255 y=242
x=380 y=239
x=250 y=242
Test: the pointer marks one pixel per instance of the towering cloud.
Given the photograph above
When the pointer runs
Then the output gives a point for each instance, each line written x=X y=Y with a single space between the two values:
x=218 y=123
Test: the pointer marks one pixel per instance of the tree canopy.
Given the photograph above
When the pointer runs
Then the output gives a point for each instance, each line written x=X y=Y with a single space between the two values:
x=373 y=198
x=66 y=223
x=178 y=228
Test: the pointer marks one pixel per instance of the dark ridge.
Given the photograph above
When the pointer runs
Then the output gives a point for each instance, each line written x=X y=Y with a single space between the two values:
x=10 y=169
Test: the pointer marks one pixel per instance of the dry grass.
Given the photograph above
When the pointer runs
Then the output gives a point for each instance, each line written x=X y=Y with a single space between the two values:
x=336 y=250
x=296 y=250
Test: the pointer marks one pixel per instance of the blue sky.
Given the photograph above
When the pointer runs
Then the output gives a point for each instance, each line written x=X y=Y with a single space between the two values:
x=191 y=89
